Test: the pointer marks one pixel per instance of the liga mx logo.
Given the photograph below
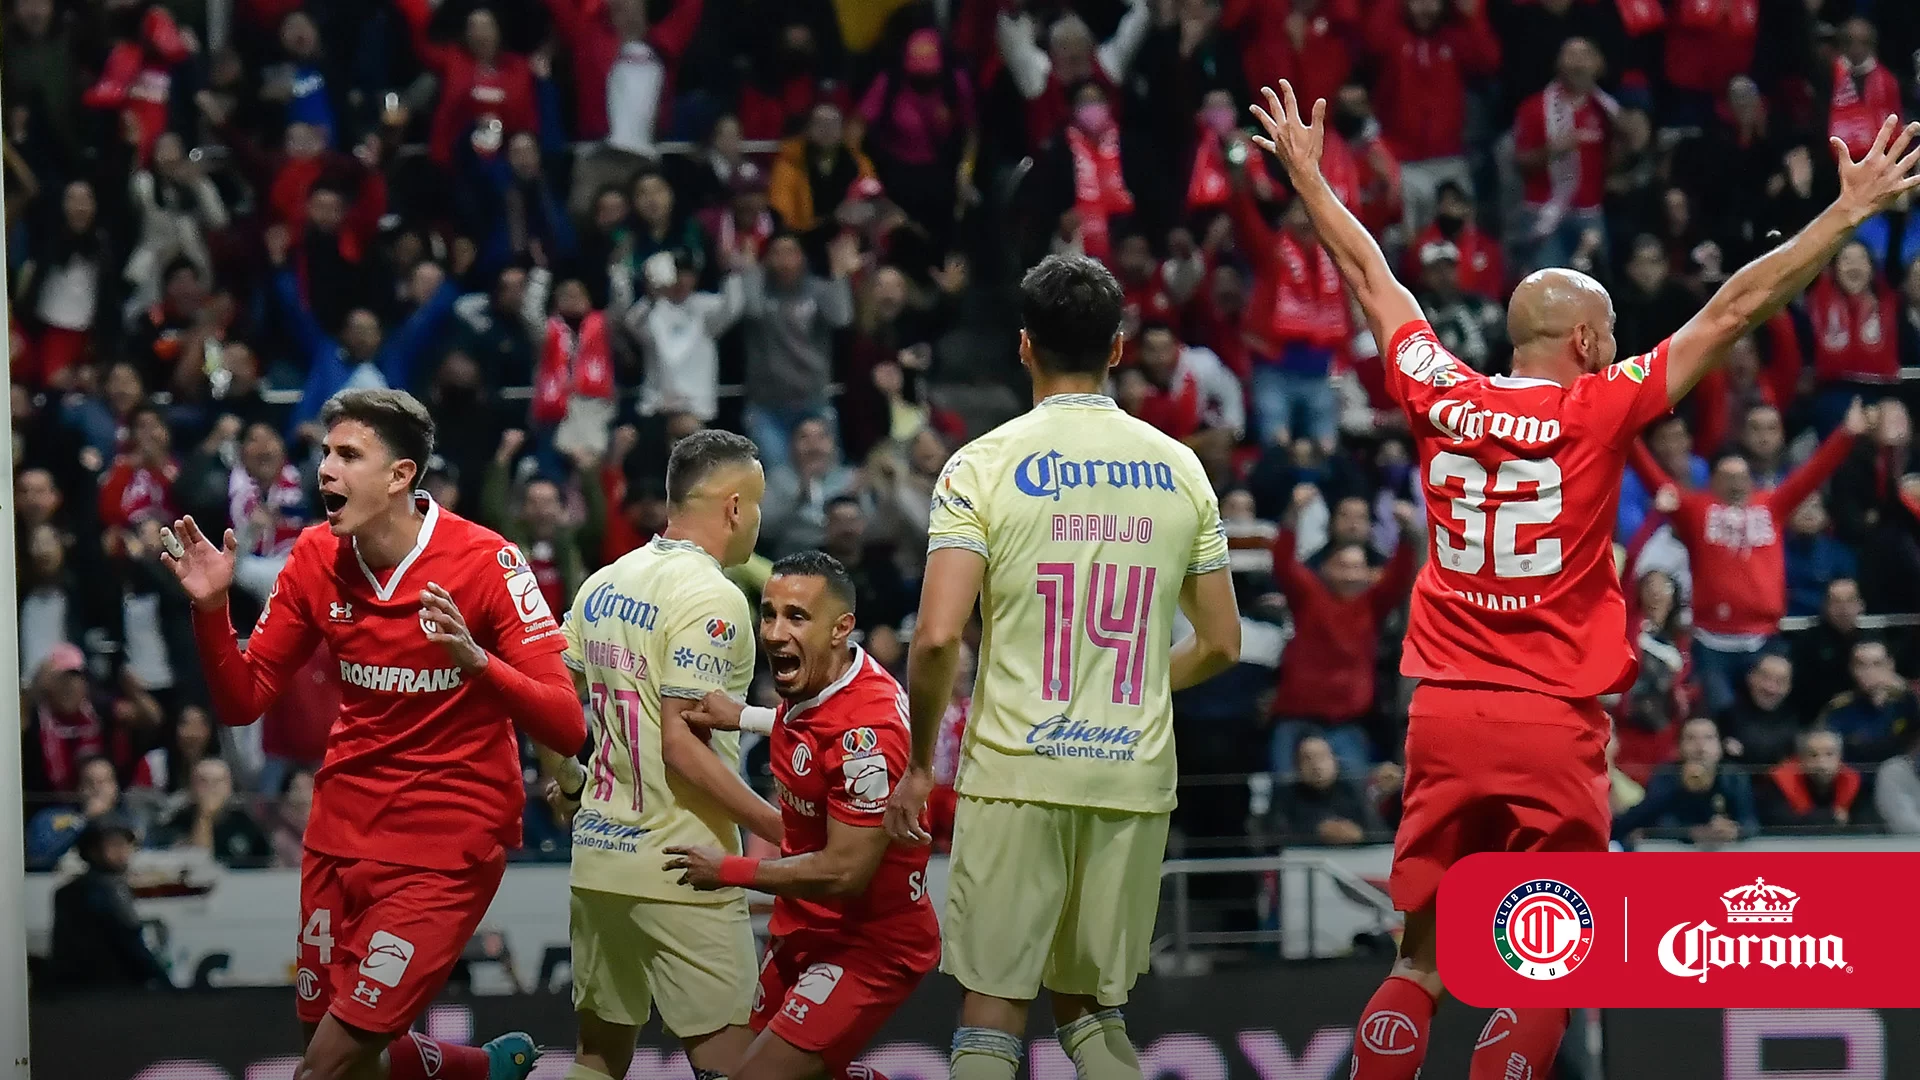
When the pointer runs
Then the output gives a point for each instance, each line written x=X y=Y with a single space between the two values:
x=1543 y=929
x=719 y=631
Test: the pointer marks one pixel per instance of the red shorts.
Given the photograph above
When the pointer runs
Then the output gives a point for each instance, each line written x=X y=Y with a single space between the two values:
x=1496 y=770
x=377 y=940
x=828 y=993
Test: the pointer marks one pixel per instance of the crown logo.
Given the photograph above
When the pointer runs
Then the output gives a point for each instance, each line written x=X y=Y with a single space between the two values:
x=1760 y=903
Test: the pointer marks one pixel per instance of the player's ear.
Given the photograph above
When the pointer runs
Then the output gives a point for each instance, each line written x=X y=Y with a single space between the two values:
x=1026 y=351
x=842 y=629
x=405 y=471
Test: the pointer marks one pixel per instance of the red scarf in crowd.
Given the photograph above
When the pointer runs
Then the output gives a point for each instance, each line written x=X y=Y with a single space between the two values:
x=572 y=365
x=1854 y=337
x=1210 y=186
x=66 y=739
x=283 y=499
x=1858 y=111
x=1099 y=191
x=1309 y=301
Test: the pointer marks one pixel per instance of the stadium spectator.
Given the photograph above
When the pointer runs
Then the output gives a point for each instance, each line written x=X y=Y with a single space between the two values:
x=1560 y=143
x=70 y=286
x=923 y=133
x=1910 y=315
x=790 y=319
x=883 y=601
x=1472 y=326
x=54 y=605
x=1871 y=516
x=816 y=171
x=1760 y=726
x=1813 y=789
x=538 y=523
x=1308 y=42
x=900 y=490
x=1815 y=560
x=1652 y=304
x=891 y=357
x=484 y=90
x=1046 y=78
x=1896 y=789
x=1425 y=55
x=1481 y=264
x=677 y=330
x=290 y=818
x=1672 y=447
x=794 y=510
x=1877 y=714
x=1319 y=805
x=1652 y=710
x=511 y=206
x=1822 y=653
x=1734 y=543
x=1325 y=686
x=1191 y=396
x=1763 y=442
x=97 y=938
x=660 y=224
x=1855 y=333
x=1697 y=799
x=792 y=71
x=171 y=767
x=1708 y=42
x=69 y=719
x=1864 y=92
x=178 y=206
x=623 y=66
x=52 y=832
x=214 y=821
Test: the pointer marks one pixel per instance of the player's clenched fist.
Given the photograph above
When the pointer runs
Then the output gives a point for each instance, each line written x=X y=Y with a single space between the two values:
x=716 y=712
x=702 y=866
x=904 y=807
x=440 y=618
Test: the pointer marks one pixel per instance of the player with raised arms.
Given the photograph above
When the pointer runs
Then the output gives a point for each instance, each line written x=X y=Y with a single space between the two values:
x=1079 y=529
x=1518 y=624
x=853 y=931
x=444 y=642
x=648 y=636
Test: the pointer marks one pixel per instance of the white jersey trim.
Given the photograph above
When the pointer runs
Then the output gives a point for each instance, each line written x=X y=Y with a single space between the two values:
x=845 y=680
x=385 y=592
x=964 y=542
x=1521 y=382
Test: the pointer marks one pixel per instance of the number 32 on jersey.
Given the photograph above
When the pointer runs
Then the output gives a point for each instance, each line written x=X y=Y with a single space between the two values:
x=1521 y=492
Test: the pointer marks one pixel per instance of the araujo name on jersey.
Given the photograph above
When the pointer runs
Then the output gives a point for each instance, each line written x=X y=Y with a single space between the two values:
x=1046 y=475
x=607 y=602
x=399 y=680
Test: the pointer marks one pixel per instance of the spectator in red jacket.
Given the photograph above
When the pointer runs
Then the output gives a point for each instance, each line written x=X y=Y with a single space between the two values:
x=1708 y=43
x=1424 y=59
x=478 y=80
x=1856 y=335
x=1326 y=679
x=1483 y=269
x=1045 y=77
x=623 y=69
x=1865 y=93
x=139 y=487
x=1305 y=42
x=1560 y=138
x=1735 y=545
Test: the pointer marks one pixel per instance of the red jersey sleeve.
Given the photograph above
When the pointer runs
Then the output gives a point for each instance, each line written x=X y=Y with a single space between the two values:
x=242 y=685
x=517 y=628
x=1420 y=370
x=1616 y=404
x=867 y=756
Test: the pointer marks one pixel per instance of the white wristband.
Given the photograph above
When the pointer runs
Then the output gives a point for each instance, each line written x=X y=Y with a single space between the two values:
x=757 y=719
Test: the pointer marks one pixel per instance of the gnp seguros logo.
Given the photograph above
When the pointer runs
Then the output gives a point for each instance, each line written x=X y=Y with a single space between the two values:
x=1690 y=951
x=1543 y=929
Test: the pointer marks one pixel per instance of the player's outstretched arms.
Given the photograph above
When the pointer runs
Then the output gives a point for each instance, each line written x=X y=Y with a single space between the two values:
x=686 y=753
x=1749 y=298
x=241 y=684
x=842 y=868
x=1208 y=603
x=1296 y=141
x=948 y=590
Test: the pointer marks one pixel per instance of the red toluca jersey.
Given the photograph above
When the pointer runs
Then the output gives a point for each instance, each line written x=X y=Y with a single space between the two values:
x=838 y=754
x=1521 y=479
x=422 y=765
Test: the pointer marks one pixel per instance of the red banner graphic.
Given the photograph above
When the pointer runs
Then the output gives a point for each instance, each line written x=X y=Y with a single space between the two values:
x=1691 y=930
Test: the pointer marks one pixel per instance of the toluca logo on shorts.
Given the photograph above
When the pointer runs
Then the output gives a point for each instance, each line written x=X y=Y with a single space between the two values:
x=399 y=680
x=307 y=984
x=1691 y=951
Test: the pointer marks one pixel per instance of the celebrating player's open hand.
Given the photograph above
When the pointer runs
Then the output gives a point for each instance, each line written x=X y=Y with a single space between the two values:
x=1874 y=183
x=715 y=712
x=205 y=571
x=702 y=865
x=905 y=806
x=1292 y=138
x=440 y=617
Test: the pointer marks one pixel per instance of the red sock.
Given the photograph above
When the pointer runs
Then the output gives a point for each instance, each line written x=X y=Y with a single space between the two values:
x=413 y=1056
x=1518 y=1044
x=1391 y=1041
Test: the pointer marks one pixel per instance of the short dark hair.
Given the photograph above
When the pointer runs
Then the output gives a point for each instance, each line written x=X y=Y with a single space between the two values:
x=1071 y=306
x=695 y=457
x=397 y=417
x=821 y=565
x=844 y=500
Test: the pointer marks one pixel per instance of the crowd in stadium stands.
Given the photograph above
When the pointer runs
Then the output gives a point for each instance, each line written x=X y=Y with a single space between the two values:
x=580 y=229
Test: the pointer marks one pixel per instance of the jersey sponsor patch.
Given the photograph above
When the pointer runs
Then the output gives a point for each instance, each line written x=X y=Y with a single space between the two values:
x=528 y=601
x=1421 y=359
x=387 y=958
x=511 y=560
x=868 y=781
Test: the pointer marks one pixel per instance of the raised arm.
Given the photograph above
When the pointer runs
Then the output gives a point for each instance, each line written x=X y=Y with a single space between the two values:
x=1868 y=187
x=1813 y=472
x=242 y=684
x=1296 y=142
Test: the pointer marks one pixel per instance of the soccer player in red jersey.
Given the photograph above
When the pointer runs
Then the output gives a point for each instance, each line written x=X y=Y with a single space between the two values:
x=1518 y=623
x=853 y=929
x=444 y=641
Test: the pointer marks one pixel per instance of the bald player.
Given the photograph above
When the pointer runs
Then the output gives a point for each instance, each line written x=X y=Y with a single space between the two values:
x=1518 y=623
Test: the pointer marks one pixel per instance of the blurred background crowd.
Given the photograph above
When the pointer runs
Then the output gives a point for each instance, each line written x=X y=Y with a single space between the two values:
x=580 y=229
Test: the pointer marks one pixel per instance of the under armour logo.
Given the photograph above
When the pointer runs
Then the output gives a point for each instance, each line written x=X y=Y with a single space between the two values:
x=797 y=1009
x=366 y=995
x=340 y=612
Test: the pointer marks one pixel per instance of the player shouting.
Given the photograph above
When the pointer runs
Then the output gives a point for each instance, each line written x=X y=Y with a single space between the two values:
x=853 y=930
x=443 y=642
x=650 y=635
x=1518 y=623
x=1085 y=527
